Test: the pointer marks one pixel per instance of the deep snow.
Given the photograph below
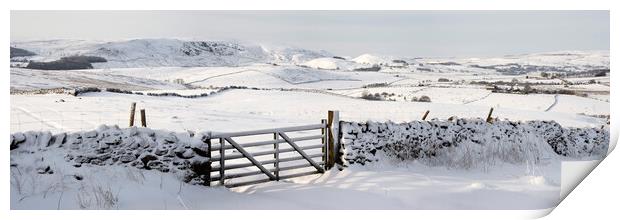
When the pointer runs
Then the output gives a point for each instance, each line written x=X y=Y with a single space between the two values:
x=43 y=177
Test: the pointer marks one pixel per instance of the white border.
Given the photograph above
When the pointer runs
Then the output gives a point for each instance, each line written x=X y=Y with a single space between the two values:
x=312 y=5
x=588 y=201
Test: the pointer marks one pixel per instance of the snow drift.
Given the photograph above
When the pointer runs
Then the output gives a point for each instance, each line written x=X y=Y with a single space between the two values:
x=470 y=143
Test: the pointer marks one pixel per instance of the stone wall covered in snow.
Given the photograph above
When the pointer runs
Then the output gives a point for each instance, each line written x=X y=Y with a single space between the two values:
x=466 y=143
x=143 y=148
x=459 y=143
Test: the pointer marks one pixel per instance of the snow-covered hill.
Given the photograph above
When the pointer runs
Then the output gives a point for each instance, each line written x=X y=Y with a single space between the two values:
x=567 y=63
x=166 y=52
x=329 y=63
x=183 y=53
x=371 y=59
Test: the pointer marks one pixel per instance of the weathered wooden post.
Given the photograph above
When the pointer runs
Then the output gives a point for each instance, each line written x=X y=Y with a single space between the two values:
x=276 y=156
x=330 y=139
x=132 y=113
x=222 y=159
x=333 y=124
x=489 y=118
x=324 y=142
x=425 y=114
x=143 y=117
x=209 y=167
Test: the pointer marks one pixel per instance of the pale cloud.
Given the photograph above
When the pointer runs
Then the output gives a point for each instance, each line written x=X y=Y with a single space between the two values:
x=403 y=33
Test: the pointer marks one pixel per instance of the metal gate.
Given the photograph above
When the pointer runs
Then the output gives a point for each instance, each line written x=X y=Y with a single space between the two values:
x=286 y=156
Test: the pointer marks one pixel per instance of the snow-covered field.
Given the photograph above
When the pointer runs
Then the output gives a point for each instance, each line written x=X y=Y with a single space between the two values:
x=24 y=79
x=287 y=87
x=413 y=187
x=251 y=109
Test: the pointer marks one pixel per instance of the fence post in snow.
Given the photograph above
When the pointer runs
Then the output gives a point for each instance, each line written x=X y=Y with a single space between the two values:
x=330 y=139
x=489 y=118
x=209 y=168
x=425 y=114
x=222 y=162
x=324 y=141
x=336 y=135
x=132 y=113
x=143 y=117
x=333 y=124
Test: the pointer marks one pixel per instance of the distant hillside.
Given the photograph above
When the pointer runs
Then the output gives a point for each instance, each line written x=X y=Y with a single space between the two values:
x=53 y=54
x=18 y=52
x=67 y=63
x=167 y=52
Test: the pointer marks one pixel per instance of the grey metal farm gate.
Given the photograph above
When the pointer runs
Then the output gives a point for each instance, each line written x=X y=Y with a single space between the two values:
x=231 y=161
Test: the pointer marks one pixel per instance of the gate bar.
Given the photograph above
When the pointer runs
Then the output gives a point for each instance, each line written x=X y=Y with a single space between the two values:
x=251 y=173
x=263 y=153
x=267 y=131
x=263 y=143
x=249 y=156
x=319 y=168
x=288 y=159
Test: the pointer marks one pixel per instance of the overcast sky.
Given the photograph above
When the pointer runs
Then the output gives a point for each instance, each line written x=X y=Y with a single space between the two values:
x=346 y=33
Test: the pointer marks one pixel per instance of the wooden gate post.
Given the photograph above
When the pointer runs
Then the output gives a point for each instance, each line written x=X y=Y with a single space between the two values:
x=132 y=113
x=209 y=167
x=330 y=139
x=222 y=159
x=324 y=142
x=489 y=118
x=333 y=124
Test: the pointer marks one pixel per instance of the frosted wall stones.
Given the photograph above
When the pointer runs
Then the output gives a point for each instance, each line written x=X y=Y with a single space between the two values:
x=142 y=148
x=440 y=142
